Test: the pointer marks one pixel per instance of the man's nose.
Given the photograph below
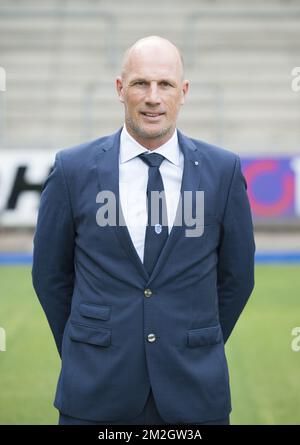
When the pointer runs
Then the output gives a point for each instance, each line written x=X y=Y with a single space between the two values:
x=153 y=94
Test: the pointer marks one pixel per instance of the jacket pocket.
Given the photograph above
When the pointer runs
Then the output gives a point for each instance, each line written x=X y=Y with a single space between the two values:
x=94 y=311
x=204 y=336
x=90 y=335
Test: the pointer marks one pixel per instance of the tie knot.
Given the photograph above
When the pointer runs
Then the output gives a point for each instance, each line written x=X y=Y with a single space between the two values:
x=152 y=159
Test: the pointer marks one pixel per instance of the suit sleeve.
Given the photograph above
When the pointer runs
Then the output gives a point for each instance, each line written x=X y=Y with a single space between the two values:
x=236 y=254
x=53 y=252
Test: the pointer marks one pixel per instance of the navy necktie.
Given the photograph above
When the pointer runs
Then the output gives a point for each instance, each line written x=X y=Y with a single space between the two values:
x=157 y=233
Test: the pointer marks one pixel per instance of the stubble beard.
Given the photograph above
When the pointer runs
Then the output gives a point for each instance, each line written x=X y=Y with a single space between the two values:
x=143 y=134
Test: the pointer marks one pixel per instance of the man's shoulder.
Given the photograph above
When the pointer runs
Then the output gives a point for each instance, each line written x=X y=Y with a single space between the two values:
x=211 y=152
x=214 y=152
x=86 y=151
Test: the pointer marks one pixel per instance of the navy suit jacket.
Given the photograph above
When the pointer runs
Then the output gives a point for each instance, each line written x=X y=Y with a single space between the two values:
x=90 y=282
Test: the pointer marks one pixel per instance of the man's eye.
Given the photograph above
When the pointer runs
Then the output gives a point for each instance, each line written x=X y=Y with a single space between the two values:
x=140 y=82
x=165 y=84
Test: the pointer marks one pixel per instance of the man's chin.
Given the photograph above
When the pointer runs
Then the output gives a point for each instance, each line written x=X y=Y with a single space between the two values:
x=153 y=133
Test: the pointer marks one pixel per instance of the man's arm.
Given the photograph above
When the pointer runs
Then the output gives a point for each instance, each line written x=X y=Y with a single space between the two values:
x=236 y=254
x=53 y=253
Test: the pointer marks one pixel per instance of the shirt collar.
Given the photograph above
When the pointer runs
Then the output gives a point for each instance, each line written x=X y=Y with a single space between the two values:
x=130 y=148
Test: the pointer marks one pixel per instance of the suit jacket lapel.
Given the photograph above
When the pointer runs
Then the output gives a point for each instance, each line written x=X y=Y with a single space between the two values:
x=108 y=179
x=190 y=182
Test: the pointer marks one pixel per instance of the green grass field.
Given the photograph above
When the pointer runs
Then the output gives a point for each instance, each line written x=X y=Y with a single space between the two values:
x=264 y=371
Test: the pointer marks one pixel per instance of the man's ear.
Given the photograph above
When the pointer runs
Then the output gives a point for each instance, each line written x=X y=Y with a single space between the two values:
x=119 y=88
x=184 y=90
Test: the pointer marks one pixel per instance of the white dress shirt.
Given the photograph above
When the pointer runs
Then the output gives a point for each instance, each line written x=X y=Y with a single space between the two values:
x=133 y=179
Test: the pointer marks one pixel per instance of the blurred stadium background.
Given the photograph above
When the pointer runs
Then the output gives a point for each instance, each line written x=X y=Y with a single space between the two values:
x=61 y=58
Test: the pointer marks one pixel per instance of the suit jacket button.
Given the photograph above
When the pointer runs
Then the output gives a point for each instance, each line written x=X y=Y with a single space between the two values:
x=151 y=338
x=147 y=292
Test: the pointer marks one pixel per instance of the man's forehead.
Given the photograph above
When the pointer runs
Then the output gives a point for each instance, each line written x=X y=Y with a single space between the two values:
x=153 y=72
x=149 y=79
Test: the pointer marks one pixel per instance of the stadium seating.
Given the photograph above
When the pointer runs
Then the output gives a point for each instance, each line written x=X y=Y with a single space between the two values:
x=61 y=58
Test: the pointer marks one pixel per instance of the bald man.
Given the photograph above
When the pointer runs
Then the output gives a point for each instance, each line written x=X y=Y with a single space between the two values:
x=143 y=260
